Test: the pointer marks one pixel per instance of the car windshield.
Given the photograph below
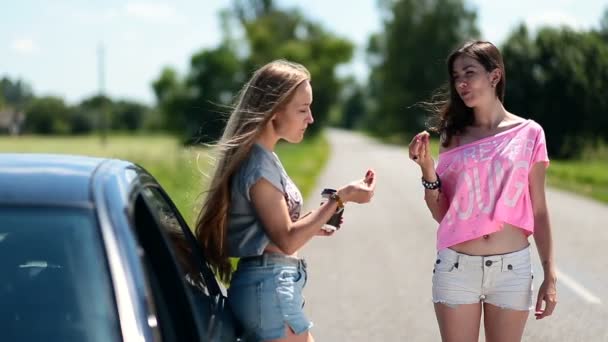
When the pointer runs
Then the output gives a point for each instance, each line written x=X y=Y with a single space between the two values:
x=54 y=281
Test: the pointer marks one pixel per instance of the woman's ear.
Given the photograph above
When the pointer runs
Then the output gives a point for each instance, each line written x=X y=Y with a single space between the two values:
x=274 y=120
x=495 y=76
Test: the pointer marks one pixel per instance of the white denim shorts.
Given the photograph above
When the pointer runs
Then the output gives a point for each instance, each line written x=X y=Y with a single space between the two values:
x=502 y=280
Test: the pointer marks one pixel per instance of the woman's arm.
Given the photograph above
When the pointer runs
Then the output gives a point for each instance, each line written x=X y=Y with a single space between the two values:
x=272 y=210
x=544 y=241
x=420 y=153
x=435 y=199
x=289 y=236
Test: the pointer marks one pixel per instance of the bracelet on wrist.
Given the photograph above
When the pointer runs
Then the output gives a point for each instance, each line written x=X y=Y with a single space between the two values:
x=338 y=199
x=432 y=185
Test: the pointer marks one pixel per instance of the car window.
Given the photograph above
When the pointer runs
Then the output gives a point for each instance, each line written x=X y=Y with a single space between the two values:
x=54 y=283
x=213 y=317
x=172 y=299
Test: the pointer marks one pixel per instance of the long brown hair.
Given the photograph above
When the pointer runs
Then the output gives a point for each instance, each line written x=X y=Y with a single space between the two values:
x=450 y=115
x=268 y=91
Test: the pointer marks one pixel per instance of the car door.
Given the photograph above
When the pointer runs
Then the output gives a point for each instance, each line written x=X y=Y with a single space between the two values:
x=207 y=297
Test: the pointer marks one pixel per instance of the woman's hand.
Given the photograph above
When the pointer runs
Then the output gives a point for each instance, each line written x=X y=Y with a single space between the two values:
x=360 y=191
x=420 y=151
x=546 y=293
x=323 y=232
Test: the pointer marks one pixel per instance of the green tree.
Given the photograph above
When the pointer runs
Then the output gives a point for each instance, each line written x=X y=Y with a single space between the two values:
x=520 y=55
x=353 y=108
x=170 y=93
x=214 y=80
x=81 y=121
x=16 y=94
x=166 y=85
x=273 y=33
x=197 y=106
x=95 y=110
x=47 y=115
x=128 y=115
x=604 y=25
x=407 y=58
x=559 y=78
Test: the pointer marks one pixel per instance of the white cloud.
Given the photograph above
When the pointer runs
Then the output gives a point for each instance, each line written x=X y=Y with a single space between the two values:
x=110 y=14
x=24 y=46
x=130 y=36
x=157 y=12
x=553 y=18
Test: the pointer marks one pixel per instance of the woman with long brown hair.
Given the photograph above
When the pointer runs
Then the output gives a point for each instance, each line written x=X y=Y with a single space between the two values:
x=252 y=210
x=487 y=193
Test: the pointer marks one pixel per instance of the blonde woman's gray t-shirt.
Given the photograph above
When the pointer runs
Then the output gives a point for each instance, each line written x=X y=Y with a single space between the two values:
x=246 y=233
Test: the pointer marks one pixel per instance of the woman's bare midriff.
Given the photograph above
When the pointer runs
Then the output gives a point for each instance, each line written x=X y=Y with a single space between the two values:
x=272 y=249
x=508 y=239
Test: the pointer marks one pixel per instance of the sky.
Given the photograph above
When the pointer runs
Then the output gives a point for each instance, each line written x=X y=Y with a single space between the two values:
x=55 y=45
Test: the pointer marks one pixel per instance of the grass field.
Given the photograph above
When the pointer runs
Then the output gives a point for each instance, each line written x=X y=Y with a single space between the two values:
x=178 y=169
x=589 y=178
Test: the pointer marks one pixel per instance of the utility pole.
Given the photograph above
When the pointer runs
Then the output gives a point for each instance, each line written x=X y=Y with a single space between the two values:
x=101 y=79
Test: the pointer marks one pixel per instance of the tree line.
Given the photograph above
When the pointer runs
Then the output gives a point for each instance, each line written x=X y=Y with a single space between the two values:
x=196 y=105
x=557 y=76
x=21 y=112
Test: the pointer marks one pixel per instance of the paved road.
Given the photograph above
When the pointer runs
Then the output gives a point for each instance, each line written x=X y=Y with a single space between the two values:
x=371 y=281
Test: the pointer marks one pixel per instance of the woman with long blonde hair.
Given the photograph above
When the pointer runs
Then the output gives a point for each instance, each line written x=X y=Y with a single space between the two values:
x=252 y=210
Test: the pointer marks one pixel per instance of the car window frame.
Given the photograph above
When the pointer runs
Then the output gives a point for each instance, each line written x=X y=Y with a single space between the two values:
x=215 y=292
x=211 y=282
x=168 y=324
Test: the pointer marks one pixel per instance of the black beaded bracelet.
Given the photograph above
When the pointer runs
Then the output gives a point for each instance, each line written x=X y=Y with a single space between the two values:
x=432 y=185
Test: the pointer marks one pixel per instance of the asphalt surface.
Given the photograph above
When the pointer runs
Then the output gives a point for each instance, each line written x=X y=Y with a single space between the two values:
x=371 y=281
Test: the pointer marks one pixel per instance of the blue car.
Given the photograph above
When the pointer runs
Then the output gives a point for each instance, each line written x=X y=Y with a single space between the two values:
x=93 y=249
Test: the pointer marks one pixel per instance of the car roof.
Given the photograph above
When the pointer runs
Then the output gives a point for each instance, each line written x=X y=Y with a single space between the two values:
x=54 y=179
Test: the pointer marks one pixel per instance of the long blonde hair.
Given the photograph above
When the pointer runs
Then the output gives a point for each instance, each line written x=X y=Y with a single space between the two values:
x=268 y=91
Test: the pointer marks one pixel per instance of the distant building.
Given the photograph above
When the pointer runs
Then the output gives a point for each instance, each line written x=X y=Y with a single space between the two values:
x=11 y=121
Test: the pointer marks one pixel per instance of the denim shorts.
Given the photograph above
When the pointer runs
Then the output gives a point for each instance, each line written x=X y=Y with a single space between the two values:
x=503 y=280
x=265 y=294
